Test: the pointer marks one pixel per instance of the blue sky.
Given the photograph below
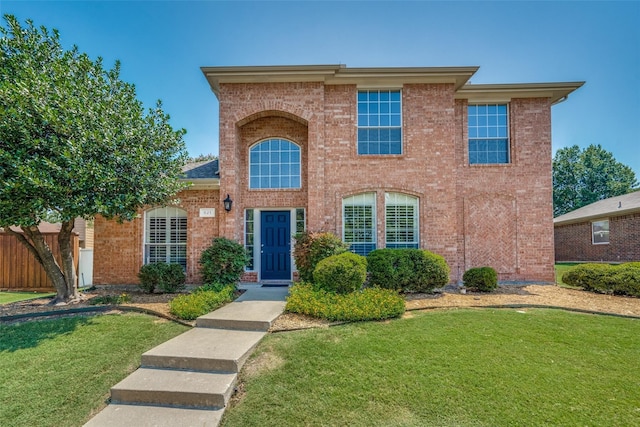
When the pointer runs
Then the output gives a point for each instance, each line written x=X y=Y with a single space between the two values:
x=163 y=44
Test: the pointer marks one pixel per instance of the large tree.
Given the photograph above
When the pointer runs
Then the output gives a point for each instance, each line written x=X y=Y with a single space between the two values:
x=581 y=177
x=74 y=142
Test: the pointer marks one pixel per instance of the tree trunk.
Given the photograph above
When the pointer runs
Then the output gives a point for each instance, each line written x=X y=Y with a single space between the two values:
x=66 y=252
x=35 y=243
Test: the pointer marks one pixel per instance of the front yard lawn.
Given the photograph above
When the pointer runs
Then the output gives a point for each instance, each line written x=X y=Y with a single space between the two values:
x=448 y=368
x=8 y=297
x=57 y=372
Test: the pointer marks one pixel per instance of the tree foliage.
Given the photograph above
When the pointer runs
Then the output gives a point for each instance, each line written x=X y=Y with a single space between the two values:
x=74 y=142
x=581 y=177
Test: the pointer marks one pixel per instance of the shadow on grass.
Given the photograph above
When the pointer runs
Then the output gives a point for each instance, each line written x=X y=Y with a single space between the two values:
x=31 y=334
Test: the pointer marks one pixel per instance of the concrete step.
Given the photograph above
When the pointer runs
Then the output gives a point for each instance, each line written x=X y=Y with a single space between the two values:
x=175 y=388
x=155 y=416
x=204 y=349
x=243 y=315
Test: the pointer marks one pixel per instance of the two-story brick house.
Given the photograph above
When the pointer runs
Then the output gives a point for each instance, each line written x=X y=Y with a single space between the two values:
x=384 y=157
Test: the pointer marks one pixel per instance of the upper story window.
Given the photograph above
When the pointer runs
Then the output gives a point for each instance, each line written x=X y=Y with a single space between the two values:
x=274 y=163
x=488 y=134
x=166 y=236
x=401 y=222
x=379 y=122
x=600 y=232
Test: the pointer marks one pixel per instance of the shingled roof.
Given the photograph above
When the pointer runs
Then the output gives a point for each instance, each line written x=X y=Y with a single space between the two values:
x=207 y=169
x=613 y=206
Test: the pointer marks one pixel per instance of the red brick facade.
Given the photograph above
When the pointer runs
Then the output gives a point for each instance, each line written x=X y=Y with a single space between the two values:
x=574 y=241
x=474 y=215
x=119 y=249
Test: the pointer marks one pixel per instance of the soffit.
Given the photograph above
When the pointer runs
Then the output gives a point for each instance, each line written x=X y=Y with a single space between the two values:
x=557 y=92
x=337 y=74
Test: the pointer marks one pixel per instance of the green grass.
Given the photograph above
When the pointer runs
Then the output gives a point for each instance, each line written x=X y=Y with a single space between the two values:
x=8 y=297
x=449 y=368
x=561 y=268
x=58 y=372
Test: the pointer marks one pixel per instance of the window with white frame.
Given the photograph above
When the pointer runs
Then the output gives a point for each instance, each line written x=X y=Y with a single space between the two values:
x=401 y=221
x=274 y=163
x=379 y=122
x=600 y=232
x=488 y=126
x=359 y=222
x=249 y=237
x=166 y=236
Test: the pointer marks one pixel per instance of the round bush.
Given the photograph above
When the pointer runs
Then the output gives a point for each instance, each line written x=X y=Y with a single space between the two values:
x=223 y=262
x=311 y=248
x=405 y=270
x=165 y=277
x=590 y=277
x=482 y=279
x=342 y=273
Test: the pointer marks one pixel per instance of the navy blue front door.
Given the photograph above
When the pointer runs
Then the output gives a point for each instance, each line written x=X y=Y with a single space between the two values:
x=275 y=249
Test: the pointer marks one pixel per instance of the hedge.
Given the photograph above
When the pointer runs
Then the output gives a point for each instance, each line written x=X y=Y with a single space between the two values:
x=416 y=270
x=622 y=279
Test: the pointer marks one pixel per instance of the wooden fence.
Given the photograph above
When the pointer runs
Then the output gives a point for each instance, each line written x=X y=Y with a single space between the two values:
x=19 y=270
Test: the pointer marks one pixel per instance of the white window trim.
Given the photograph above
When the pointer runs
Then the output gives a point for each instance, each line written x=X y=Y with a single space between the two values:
x=381 y=88
x=272 y=188
x=593 y=242
x=417 y=215
x=145 y=217
x=508 y=137
x=374 y=218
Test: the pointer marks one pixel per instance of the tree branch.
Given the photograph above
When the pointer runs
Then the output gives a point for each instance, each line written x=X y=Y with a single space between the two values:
x=25 y=242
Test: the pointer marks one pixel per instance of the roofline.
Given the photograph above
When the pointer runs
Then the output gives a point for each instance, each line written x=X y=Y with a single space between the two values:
x=337 y=74
x=201 y=183
x=557 y=92
x=588 y=218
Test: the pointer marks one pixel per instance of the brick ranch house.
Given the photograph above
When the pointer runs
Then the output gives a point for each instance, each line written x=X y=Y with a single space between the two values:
x=607 y=230
x=384 y=157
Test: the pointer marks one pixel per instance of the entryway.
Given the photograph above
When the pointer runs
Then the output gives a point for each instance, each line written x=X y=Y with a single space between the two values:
x=275 y=247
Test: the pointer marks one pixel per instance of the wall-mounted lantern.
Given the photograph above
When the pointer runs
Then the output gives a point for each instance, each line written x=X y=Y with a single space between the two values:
x=227 y=203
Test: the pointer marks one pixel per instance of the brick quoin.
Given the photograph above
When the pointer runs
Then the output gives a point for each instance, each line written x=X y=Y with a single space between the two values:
x=473 y=215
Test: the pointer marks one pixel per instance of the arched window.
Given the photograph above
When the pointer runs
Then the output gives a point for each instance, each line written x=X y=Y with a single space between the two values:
x=359 y=222
x=166 y=236
x=274 y=163
x=401 y=221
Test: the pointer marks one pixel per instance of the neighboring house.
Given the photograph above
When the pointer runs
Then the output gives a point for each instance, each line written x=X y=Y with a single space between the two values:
x=607 y=230
x=383 y=157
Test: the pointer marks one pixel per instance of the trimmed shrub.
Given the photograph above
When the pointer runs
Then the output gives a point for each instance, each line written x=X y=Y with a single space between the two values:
x=368 y=304
x=623 y=279
x=407 y=270
x=165 y=277
x=342 y=273
x=482 y=279
x=311 y=248
x=590 y=277
x=192 y=306
x=223 y=262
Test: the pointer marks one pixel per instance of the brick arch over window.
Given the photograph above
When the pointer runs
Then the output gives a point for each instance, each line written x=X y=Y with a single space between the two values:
x=271 y=113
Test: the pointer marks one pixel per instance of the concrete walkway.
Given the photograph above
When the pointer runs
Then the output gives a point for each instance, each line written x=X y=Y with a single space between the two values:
x=188 y=380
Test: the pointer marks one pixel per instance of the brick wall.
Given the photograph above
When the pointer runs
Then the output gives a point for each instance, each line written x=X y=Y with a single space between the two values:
x=118 y=251
x=497 y=215
x=573 y=241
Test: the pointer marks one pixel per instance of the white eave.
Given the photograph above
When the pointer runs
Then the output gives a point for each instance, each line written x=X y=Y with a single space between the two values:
x=489 y=93
x=337 y=75
x=202 y=183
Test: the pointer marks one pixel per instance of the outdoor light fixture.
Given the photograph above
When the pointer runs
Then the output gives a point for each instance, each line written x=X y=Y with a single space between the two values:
x=227 y=203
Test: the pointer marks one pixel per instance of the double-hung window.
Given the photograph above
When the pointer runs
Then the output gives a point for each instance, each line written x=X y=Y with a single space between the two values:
x=379 y=122
x=359 y=222
x=166 y=236
x=600 y=232
x=488 y=133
